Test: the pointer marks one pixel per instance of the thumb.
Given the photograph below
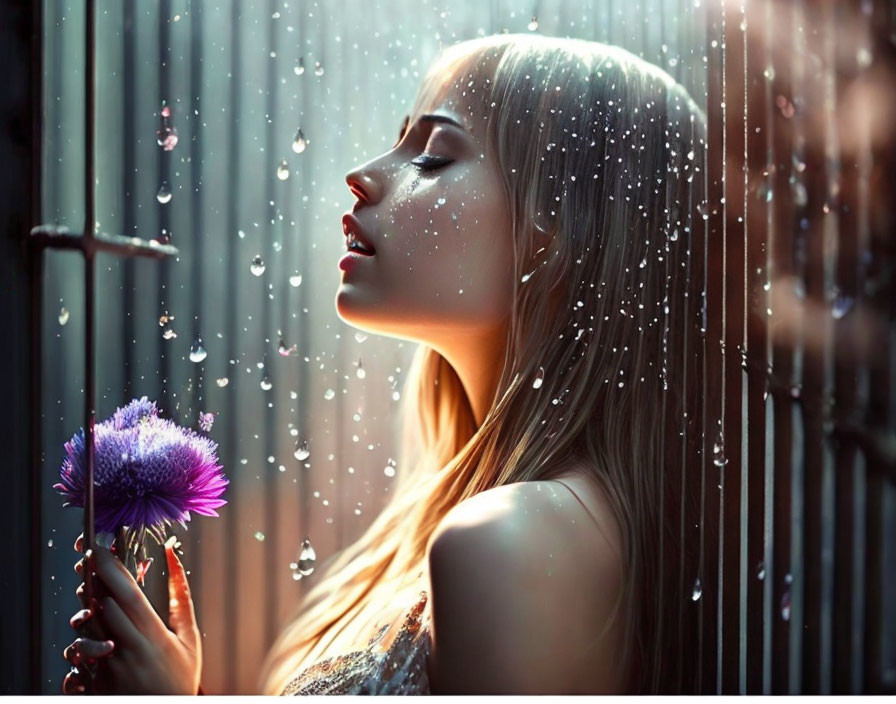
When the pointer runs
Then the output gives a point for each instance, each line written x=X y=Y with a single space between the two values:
x=180 y=602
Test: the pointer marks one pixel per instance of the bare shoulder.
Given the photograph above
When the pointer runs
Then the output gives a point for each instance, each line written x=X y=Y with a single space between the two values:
x=523 y=581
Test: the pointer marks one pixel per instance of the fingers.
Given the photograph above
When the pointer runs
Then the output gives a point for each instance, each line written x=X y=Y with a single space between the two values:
x=180 y=601
x=119 y=626
x=79 y=543
x=87 y=650
x=74 y=682
x=79 y=618
x=126 y=593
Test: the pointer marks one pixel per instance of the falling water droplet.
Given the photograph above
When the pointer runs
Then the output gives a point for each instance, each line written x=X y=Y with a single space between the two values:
x=785 y=604
x=318 y=69
x=197 y=351
x=329 y=394
x=360 y=373
x=257 y=266
x=760 y=571
x=307 y=558
x=360 y=336
x=302 y=452
x=533 y=24
x=718 y=453
x=643 y=263
x=266 y=384
x=166 y=135
x=526 y=277
x=697 y=591
x=674 y=236
x=283 y=170
x=169 y=334
x=539 y=378
x=222 y=382
x=295 y=280
x=299 y=142
x=63 y=315
x=164 y=195
x=284 y=349
x=842 y=305
x=299 y=68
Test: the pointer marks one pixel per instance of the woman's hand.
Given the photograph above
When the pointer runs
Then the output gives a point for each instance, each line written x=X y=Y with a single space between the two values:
x=145 y=656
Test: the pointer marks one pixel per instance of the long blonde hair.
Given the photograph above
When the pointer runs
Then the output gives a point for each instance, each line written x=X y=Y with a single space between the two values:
x=602 y=157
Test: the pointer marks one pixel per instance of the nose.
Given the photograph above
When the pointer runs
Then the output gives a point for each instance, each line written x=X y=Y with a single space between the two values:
x=365 y=184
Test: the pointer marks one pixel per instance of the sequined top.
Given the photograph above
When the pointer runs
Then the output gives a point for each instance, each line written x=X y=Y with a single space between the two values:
x=393 y=662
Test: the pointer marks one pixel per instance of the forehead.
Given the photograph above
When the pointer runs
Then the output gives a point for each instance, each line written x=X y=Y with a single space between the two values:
x=458 y=83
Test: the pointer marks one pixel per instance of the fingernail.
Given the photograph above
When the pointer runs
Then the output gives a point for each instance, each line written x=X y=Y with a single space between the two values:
x=81 y=617
x=108 y=645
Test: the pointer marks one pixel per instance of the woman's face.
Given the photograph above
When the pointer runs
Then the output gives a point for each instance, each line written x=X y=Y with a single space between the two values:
x=434 y=210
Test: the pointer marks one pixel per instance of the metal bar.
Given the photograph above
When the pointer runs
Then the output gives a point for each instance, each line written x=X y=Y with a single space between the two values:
x=55 y=237
x=128 y=87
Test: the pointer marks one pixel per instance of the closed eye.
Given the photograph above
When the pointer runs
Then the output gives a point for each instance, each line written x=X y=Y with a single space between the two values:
x=428 y=162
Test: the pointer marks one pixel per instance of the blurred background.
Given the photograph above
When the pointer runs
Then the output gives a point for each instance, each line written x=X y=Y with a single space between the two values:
x=226 y=129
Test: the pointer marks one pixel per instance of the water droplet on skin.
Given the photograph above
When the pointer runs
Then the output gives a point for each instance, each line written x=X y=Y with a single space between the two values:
x=266 y=384
x=307 y=558
x=329 y=394
x=295 y=280
x=299 y=143
x=259 y=536
x=643 y=263
x=360 y=336
x=164 y=195
x=697 y=591
x=302 y=452
x=283 y=170
x=169 y=334
x=539 y=378
x=257 y=266
x=197 y=352
x=222 y=382
x=63 y=316
x=360 y=373
x=533 y=24
x=389 y=469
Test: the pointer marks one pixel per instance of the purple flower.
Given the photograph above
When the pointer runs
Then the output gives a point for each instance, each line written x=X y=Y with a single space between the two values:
x=148 y=472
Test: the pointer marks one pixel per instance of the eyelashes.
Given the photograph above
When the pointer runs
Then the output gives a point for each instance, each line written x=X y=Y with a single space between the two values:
x=427 y=162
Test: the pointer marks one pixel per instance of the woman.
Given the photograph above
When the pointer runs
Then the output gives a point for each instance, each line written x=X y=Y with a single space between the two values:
x=532 y=229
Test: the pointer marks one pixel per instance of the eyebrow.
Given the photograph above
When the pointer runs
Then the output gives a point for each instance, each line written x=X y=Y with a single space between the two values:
x=432 y=117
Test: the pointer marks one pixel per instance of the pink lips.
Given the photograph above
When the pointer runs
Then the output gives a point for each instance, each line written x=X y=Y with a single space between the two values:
x=351 y=224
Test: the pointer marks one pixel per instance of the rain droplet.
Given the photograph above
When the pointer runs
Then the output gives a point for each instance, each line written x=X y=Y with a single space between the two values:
x=307 y=558
x=302 y=452
x=329 y=394
x=166 y=135
x=164 y=195
x=643 y=263
x=360 y=336
x=295 y=280
x=533 y=24
x=259 y=536
x=785 y=604
x=266 y=384
x=299 y=142
x=169 y=334
x=283 y=170
x=197 y=351
x=697 y=591
x=691 y=155
x=842 y=305
x=222 y=382
x=63 y=315
x=299 y=68
x=539 y=378
x=674 y=236
x=165 y=319
x=360 y=372
x=718 y=454
x=318 y=69
x=526 y=277
x=257 y=266
x=285 y=350
x=760 y=571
